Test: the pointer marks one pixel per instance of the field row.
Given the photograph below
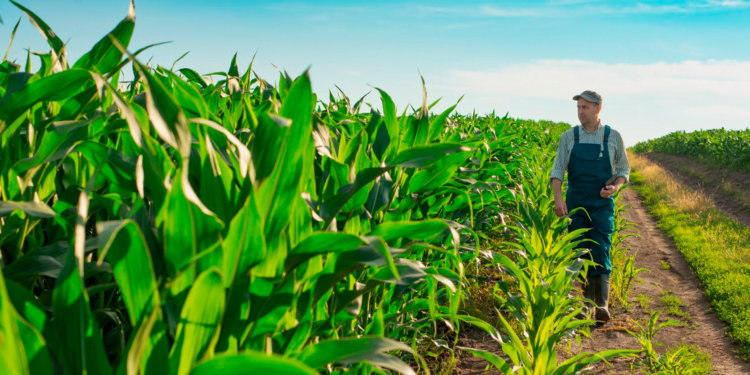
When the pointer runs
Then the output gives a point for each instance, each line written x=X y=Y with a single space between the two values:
x=725 y=148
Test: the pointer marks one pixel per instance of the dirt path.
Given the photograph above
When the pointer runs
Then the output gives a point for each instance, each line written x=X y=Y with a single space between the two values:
x=652 y=247
x=702 y=328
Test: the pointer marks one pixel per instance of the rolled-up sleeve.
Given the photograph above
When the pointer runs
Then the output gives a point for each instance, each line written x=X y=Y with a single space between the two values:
x=562 y=158
x=622 y=165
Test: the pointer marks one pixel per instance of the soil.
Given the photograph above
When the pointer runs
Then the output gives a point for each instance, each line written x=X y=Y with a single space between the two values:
x=652 y=246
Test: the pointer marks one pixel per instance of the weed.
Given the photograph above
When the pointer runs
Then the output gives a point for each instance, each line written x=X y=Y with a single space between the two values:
x=644 y=301
x=674 y=304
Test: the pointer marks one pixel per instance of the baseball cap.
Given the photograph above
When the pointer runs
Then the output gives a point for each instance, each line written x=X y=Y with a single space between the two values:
x=590 y=96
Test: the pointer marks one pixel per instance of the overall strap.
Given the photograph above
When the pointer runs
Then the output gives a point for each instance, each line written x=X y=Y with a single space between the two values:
x=576 y=135
x=606 y=134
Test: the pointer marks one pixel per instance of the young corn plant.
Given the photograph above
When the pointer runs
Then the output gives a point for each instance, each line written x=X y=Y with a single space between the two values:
x=624 y=271
x=678 y=361
x=546 y=266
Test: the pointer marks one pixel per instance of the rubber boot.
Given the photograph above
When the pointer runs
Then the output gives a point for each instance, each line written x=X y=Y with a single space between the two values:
x=588 y=293
x=597 y=290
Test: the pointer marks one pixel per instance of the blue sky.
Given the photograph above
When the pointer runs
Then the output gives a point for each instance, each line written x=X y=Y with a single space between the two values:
x=660 y=66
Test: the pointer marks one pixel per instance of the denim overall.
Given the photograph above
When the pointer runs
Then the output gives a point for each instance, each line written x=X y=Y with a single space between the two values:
x=588 y=171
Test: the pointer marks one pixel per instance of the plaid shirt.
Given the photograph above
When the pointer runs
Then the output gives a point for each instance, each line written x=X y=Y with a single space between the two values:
x=617 y=155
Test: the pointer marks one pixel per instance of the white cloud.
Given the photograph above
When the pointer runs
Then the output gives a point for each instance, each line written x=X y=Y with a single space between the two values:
x=685 y=78
x=647 y=100
x=569 y=2
x=570 y=8
x=719 y=110
x=729 y=3
x=489 y=10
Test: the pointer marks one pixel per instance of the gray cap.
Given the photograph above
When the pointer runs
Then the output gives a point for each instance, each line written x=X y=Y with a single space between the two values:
x=590 y=96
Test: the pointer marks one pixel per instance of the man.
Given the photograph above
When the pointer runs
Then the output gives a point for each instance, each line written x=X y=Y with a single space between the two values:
x=594 y=157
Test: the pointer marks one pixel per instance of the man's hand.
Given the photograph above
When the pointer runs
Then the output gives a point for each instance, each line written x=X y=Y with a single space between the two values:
x=608 y=191
x=561 y=209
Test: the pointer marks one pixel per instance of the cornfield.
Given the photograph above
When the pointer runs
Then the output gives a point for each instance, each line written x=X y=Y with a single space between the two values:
x=717 y=146
x=181 y=226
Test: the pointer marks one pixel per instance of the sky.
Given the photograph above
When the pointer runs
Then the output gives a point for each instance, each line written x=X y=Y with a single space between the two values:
x=660 y=66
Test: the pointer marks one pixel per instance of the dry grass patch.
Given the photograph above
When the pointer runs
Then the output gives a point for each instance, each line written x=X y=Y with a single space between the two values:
x=664 y=183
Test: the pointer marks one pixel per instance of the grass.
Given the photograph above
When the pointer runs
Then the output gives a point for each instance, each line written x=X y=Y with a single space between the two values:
x=716 y=247
x=674 y=305
x=731 y=189
x=481 y=301
x=726 y=187
x=692 y=173
x=442 y=360
x=644 y=301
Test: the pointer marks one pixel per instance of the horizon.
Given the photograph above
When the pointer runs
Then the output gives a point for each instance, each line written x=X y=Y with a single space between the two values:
x=660 y=67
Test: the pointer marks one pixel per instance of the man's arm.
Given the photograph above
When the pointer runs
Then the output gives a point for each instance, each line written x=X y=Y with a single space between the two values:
x=558 y=173
x=622 y=169
x=622 y=164
x=561 y=209
x=562 y=158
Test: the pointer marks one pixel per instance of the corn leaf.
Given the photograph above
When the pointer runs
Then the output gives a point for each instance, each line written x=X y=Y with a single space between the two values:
x=438 y=124
x=252 y=363
x=13 y=356
x=124 y=248
x=415 y=230
x=278 y=193
x=165 y=113
x=59 y=86
x=188 y=229
x=76 y=332
x=437 y=174
x=346 y=351
x=106 y=55
x=35 y=348
x=244 y=248
x=35 y=209
x=424 y=156
x=58 y=47
x=27 y=306
x=198 y=328
x=322 y=243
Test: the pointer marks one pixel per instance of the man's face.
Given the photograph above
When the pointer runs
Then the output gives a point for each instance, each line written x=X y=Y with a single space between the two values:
x=588 y=112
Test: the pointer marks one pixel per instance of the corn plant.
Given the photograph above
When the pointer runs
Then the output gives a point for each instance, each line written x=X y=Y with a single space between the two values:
x=179 y=225
x=679 y=361
x=720 y=147
x=545 y=267
x=624 y=271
